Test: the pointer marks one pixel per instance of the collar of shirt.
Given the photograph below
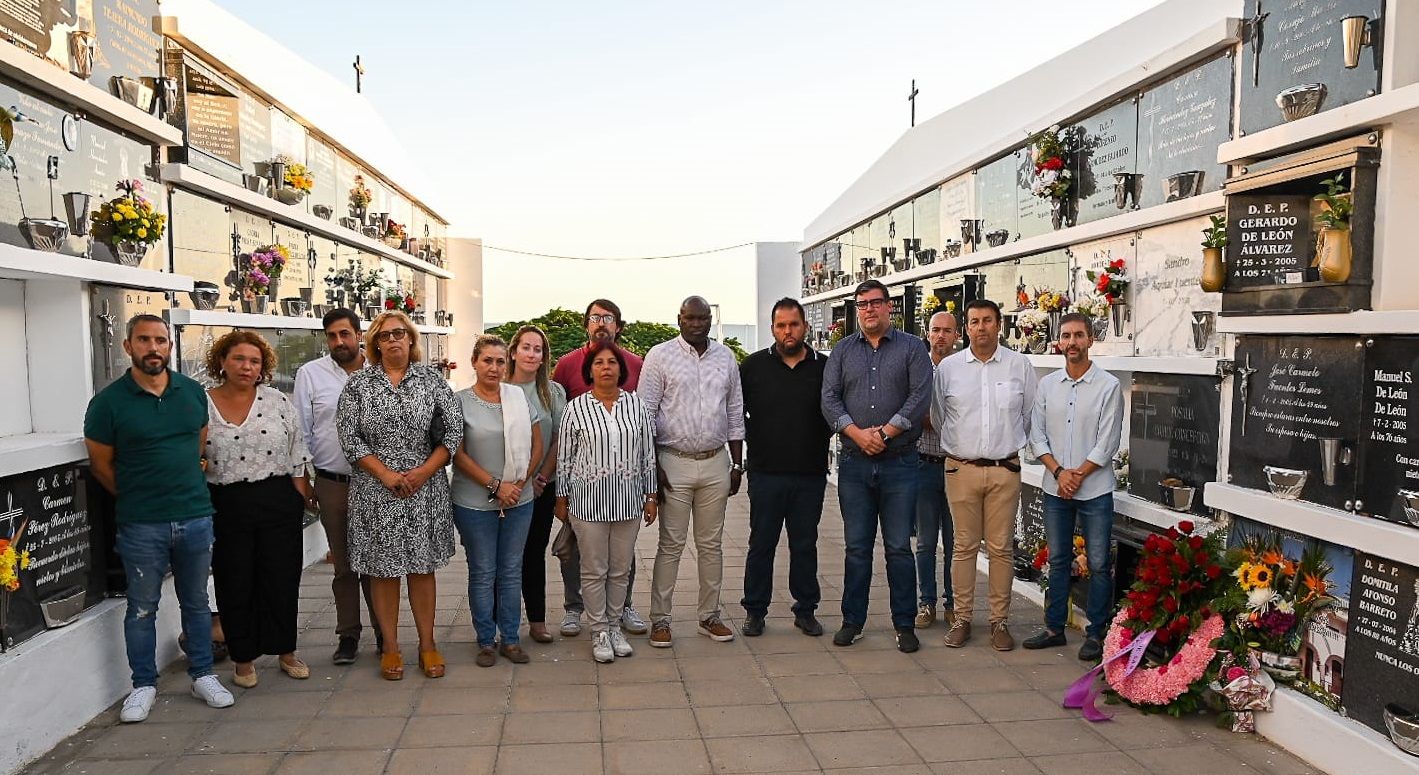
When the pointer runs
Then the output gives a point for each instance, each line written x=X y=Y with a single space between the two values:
x=887 y=336
x=137 y=389
x=1088 y=375
x=811 y=356
x=690 y=349
x=971 y=356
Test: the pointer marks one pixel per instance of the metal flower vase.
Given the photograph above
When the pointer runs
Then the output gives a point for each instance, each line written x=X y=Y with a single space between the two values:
x=1334 y=256
x=256 y=305
x=1214 y=270
x=82 y=47
x=1099 y=326
x=1118 y=313
x=1054 y=317
x=127 y=252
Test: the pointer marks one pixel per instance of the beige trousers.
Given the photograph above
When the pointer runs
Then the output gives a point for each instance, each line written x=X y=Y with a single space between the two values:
x=984 y=502
x=698 y=492
x=346 y=585
x=607 y=551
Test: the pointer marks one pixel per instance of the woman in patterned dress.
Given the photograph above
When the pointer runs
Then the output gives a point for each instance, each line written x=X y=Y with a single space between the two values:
x=399 y=425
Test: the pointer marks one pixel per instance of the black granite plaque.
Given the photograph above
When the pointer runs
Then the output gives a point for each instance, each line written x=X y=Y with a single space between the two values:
x=995 y=199
x=1104 y=144
x=31 y=24
x=1029 y=531
x=1300 y=42
x=44 y=513
x=1180 y=124
x=1173 y=432
x=213 y=114
x=1269 y=239
x=127 y=45
x=1382 y=646
x=1293 y=406
x=1389 y=462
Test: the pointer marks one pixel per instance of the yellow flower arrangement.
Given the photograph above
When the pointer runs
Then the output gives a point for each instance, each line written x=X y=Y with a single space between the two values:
x=11 y=563
x=299 y=177
x=129 y=218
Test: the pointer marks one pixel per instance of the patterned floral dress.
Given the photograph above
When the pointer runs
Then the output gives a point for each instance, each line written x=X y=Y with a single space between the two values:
x=392 y=536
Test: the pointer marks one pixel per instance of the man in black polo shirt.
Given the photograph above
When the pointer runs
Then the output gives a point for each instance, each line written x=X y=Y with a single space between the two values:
x=788 y=467
x=145 y=435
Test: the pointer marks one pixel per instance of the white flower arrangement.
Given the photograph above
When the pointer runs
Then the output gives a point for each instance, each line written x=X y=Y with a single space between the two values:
x=1032 y=321
x=1092 y=306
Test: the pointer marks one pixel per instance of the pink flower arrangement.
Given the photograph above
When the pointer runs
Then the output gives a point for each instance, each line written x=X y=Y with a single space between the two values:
x=1163 y=684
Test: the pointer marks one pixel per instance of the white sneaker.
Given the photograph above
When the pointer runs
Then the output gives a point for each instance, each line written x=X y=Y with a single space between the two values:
x=139 y=702
x=210 y=690
x=601 y=648
x=620 y=645
x=632 y=622
x=571 y=624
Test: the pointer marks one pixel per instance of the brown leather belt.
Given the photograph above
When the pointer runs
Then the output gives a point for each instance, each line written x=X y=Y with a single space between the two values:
x=706 y=455
x=1008 y=463
x=936 y=460
x=332 y=476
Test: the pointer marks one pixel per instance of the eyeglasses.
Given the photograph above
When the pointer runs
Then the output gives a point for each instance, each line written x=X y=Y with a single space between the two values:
x=397 y=334
x=870 y=303
x=606 y=318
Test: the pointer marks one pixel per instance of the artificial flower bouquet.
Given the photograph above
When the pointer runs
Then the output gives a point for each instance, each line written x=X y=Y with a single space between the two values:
x=1111 y=283
x=298 y=176
x=1273 y=599
x=12 y=561
x=263 y=267
x=1032 y=322
x=129 y=218
x=1047 y=300
x=1052 y=178
x=1093 y=306
x=360 y=195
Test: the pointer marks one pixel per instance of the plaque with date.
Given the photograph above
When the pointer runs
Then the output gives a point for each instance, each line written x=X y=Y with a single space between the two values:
x=1389 y=457
x=1382 y=646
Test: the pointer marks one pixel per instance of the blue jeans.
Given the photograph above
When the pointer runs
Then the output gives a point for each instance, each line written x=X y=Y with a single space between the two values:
x=933 y=518
x=873 y=490
x=493 y=542
x=149 y=550
x=1096 y=515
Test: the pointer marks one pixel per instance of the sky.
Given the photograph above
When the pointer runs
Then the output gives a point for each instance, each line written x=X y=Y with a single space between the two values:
x=628 y=129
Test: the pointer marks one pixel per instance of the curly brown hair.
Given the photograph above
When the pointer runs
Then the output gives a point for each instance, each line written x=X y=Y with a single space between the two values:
x=223 y=347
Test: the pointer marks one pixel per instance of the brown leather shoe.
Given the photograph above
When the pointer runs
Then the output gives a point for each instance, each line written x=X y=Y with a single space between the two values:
x=487 y=657
x=514 y=654
x=959 y=633
x=716 y=630
x=1000 y=639
x=948 y=616
x=660 y=636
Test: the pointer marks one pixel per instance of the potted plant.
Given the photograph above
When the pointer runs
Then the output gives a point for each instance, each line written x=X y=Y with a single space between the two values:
x=360 y=198
x=1112 y=284
x=1052 y=177
x=1214 y=270
x=129 y=225
x=394 y=235
x=1333 y=249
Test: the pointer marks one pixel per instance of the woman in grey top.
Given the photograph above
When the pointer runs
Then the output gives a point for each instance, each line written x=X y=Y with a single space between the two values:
x=399 y=424
x=492 y=497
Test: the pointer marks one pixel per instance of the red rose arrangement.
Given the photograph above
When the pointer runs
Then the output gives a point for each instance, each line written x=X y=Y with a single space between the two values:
x=1112 y=283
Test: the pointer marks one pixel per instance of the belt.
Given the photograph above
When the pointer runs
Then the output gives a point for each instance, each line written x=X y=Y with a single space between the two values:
x=939 y=460
x=886 y=454
x=332 y=476
x=706 y=455
x=1007 y=463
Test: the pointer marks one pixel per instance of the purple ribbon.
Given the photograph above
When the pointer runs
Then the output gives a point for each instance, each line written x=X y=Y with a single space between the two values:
x=1082 y=693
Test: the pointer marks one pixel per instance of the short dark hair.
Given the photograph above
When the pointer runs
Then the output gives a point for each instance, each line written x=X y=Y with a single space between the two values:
x=872 y=285
x=1080 y=318
x=144 y=317
x=596 y=349
x=983 y=304
x=787 y=303
x=604 y=304
x=338 y=314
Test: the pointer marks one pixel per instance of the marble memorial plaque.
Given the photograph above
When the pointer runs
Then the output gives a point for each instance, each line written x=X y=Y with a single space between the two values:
x=1180 y=124
x=1300 y=42
x=1294 y=407
x=255 y=127
x=202 y=245
x=958 y=203
x=995 y=191
x=1093 y=257
x=287 y=136
x=1269 y=239
x=1036 y=214
x=1382 y=645
x=1105 y=143
x=1172 y=316
x=45 y=513
x=297 y=273
x=1389 y=462
x=1173 y=432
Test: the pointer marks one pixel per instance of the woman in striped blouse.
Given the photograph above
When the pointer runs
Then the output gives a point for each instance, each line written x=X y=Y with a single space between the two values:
x=605 y=485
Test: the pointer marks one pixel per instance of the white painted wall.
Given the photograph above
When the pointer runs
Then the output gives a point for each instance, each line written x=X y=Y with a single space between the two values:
x=465 y=301
x=14 y=388
x=776 y=275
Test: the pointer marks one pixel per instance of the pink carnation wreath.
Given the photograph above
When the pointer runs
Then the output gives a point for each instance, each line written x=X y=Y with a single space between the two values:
x=1165 y=683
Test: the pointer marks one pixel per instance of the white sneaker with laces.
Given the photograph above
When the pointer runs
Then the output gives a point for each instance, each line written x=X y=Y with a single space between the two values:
x=632 y=622
x=620 y=645
x=601 y=648
x=139 y=703
x=210 y=690
x=571 y=624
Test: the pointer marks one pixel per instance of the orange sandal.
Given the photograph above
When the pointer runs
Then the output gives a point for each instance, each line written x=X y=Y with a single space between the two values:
x=431 y=662
x=391 y=666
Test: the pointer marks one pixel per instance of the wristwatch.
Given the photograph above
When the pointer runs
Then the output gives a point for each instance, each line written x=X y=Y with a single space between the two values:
x=736 y=468
x=883 y=433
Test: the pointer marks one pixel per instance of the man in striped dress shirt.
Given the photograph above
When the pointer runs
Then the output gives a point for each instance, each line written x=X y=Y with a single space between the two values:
x=690 y=385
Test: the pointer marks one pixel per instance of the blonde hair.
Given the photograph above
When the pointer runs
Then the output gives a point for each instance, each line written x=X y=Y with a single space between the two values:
x=416 y=349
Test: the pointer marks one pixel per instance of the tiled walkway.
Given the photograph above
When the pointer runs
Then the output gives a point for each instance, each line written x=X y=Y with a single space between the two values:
x=780 y=703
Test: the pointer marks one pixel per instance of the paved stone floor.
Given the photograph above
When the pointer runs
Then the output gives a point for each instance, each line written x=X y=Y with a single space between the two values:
x=780 y=703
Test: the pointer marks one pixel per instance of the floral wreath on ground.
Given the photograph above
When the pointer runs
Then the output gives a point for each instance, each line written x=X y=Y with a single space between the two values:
x=1273 y=600
x=1171 y=602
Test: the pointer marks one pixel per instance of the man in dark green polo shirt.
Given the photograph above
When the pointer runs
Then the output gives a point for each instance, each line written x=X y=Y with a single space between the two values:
x=145 y=435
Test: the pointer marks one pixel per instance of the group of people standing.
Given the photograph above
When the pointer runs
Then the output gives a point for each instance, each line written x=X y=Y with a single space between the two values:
x=218 y=479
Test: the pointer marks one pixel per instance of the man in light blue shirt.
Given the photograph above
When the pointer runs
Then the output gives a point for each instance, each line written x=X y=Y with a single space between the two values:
x=1074 y=431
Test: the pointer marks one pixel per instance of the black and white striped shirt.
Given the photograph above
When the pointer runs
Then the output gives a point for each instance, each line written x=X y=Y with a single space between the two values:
x=606 y=460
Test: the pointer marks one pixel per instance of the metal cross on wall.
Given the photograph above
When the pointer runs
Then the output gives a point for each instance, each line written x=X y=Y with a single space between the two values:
x=912 y=99
x=359 y=74
x=1251 y=33
x=1243 y=376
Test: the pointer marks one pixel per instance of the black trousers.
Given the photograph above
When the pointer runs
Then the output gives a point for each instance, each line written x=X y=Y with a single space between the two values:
x=256 y=564
x=776 y=501
x=534 y=555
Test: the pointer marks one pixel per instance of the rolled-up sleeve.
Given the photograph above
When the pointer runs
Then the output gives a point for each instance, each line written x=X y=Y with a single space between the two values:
x=834 y=411
x=1110 y=428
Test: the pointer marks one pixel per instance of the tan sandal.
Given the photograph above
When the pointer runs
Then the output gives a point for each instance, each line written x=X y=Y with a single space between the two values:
x=391 y=666
x=296 y=669
x=244 y=681
x=431 y=662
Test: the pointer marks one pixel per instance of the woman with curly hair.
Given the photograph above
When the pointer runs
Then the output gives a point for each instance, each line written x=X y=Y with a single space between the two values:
x=256 y=471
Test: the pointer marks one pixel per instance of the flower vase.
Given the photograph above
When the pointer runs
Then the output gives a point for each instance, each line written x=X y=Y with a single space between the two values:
x=357 y=213
x=372 y=311
x=1056 y=213
x=127 y=252
x=1333 y=258
x=256 y=305
x=1100 y=328
x=273 y=290
x=1037 y=344
x=1118 y=313
x=1054 y=317
x=1214 y=270
x=1282 y=668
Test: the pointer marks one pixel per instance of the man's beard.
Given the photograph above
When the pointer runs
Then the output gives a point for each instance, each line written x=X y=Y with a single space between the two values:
x=795 y=349
x=150 y=367
x=343 y=354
